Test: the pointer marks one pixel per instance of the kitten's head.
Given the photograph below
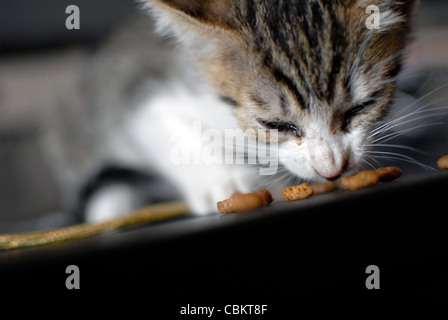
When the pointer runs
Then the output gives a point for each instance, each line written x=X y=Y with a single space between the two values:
x=309 y=68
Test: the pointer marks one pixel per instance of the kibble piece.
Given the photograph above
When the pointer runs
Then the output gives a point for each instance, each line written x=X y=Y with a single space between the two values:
x=241 y=202
x=388 y=173
x=443 y=162
x=300 y=192
x=324 y=187
x=360 y=180
x=266 y=197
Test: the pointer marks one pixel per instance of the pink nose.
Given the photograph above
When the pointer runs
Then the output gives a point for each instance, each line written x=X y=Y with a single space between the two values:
x=331 y=171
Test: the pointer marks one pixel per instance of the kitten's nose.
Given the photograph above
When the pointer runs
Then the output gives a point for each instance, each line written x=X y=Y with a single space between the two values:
x=330 y=174
x=329 y=157
x=331 y=171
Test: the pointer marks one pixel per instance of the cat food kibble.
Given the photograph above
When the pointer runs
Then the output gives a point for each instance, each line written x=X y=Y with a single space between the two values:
x=266 y=197
x=300 y=192
x=241 y=202
x=360 y=180
x=443 y=162
x=323 y=187
x=388 y=173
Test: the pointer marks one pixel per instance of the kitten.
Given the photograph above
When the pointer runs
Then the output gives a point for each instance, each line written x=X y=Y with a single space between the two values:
x=309 y=68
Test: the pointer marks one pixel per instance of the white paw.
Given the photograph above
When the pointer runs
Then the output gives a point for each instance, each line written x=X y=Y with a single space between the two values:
x=204 y=186
x=110 y=202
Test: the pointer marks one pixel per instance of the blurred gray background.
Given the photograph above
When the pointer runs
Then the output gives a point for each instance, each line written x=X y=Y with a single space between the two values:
x=41 y=61
x=41 y=67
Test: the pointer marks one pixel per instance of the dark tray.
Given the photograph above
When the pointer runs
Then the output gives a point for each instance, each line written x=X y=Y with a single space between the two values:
x=317 y=246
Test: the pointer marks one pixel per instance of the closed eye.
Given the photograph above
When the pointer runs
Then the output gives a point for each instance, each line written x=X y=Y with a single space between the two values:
x=283 y=127
x=353 y=112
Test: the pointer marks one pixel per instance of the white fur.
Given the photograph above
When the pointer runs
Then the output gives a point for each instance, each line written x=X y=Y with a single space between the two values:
x=360 y=88
x=171 y=114
x=388 y=19
x=110 y=202
x=322 y=153
x=322 y=156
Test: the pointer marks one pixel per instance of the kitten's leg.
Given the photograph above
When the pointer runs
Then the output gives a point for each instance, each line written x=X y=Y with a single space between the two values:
x=167 y=122
x=110 y=202
x=204 y=186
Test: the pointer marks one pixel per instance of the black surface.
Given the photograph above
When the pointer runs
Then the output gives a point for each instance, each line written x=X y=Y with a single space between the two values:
x=319 y=247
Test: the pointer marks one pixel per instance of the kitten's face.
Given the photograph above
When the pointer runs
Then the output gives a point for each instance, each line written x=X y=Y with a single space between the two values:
x=311 y=69
x=320 y=136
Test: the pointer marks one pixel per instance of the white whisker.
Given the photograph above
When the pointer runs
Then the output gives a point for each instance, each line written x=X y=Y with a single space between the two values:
x=368 y=163
x=393 y=135
x=395 y=146
x=396 y=122
x=398 y=156
x=281 y=175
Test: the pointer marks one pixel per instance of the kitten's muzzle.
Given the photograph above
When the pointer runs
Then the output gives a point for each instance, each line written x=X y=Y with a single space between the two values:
x=331 y=173
x=329 y=163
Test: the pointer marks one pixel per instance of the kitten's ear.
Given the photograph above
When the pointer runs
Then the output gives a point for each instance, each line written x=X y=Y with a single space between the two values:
x=217 y=13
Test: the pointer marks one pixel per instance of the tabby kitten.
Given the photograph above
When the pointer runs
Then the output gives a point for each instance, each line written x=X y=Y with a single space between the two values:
x=310 y=68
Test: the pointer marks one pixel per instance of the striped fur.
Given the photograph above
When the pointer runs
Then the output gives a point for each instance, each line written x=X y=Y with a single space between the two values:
x=310 y=63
